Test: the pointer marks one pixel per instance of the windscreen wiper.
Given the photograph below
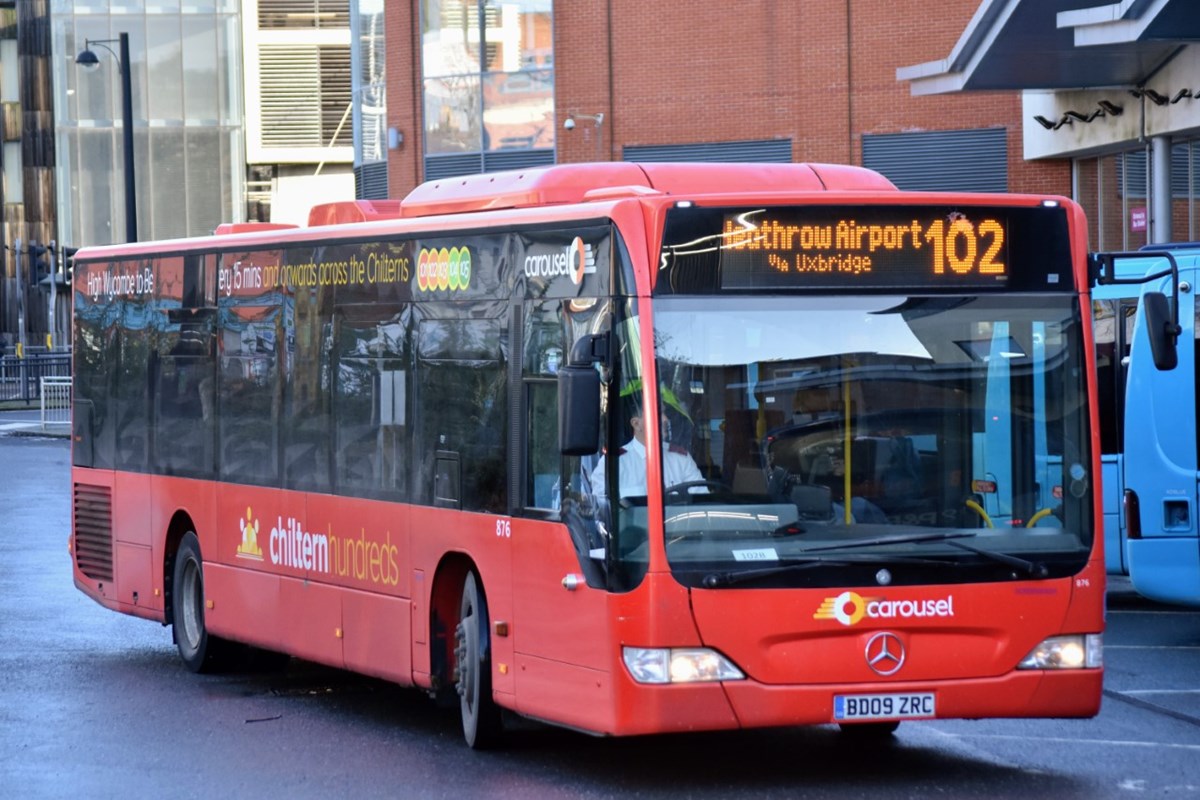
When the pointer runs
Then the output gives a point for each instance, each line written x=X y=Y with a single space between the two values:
x=940 y=536
x=717 y=579
x=1036 y=570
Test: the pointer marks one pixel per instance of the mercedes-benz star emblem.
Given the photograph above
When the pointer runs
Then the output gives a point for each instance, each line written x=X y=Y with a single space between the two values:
x=885 y=653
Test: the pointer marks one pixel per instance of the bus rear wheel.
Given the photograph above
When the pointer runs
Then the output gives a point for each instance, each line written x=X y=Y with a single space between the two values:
x=473 y=669
x=200 y=651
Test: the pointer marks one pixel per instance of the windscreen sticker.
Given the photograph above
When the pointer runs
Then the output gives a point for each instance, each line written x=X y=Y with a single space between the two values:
x=757 y=554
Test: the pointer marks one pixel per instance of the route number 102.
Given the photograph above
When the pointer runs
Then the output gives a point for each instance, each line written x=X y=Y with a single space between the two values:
x=958 y=245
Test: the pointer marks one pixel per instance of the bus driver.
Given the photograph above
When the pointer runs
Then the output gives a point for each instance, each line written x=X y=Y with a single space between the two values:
x=678 y=465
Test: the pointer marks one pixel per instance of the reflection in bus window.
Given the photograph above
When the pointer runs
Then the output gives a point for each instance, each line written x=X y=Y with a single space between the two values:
x=462 y=408
x=950 y=413
x=371 y=400
x=248 y=393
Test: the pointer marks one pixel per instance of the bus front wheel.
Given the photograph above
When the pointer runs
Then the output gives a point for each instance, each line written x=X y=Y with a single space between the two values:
x=200 y=651
x=473 y=667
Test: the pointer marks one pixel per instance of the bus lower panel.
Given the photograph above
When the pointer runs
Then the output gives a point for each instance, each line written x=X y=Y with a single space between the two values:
x=747 y=704
x=1074 y=693
x=1166 y=569
x=105 y=594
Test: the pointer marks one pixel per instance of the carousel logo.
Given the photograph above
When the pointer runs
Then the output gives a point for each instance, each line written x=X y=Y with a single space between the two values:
x=444 y=269
x=849 y=608
x=575 y=261
x=249 y=547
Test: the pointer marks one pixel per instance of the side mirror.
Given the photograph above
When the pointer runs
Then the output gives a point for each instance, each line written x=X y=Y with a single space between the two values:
x=578 y=410
x=1162 y=328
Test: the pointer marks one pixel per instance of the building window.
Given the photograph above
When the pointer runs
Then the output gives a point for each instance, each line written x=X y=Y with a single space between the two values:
x=369 y=85
x=488 y=85
x=1185 y=189
x=1113 y=191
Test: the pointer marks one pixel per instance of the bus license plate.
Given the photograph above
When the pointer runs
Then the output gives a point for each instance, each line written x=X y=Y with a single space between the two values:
x=883 y=706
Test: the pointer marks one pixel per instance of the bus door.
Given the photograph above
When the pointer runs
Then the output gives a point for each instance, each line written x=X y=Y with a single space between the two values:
x=993 y=460
x=1112 y=322
x=559 y=598
x=1010 y=495
x=1161 y=456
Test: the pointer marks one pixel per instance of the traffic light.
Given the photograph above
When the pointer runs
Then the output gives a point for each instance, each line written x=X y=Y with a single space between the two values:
x=41 y=264
x=69 y=263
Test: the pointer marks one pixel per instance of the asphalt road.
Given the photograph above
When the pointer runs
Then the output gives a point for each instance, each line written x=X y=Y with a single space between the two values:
x=96 y=705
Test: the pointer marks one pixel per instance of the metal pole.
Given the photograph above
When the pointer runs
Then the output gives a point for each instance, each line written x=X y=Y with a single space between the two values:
x=52 y=318
x=20 y=299
x=22 y=361
x=1160 y=190
x=127 y=135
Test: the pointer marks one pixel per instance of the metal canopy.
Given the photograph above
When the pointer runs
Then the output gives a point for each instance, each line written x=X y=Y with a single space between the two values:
x=1060 y=44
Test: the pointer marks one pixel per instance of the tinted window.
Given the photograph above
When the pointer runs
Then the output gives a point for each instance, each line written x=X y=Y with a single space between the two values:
x=461 y=406
x=248 y=386
x=371 y=399
x=306 y=379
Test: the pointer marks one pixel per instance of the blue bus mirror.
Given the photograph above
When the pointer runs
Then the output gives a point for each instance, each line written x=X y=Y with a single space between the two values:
x=1162 y=328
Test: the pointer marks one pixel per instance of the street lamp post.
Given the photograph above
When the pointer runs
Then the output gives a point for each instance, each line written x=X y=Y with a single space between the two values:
x=89 y=60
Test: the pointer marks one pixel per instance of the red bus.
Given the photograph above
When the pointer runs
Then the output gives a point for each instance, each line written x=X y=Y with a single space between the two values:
x=414 y=439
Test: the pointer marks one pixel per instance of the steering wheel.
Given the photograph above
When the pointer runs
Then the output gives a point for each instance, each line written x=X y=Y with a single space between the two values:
x=978 y=509
x=682 y=491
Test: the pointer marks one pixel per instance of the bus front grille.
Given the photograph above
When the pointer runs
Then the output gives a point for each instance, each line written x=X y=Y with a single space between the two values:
x=93 y=531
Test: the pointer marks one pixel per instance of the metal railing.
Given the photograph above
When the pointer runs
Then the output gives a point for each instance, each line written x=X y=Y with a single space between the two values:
x=20 y=378
x=56 y=400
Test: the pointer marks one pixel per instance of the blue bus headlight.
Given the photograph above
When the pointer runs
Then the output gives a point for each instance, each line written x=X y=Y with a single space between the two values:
x=1081 y=651
x=679 y=665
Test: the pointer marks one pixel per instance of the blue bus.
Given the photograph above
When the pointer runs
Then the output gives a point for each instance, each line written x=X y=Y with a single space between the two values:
x=1144 y=322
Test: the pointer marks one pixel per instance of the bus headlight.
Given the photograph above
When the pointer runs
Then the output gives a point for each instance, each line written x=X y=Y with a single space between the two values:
x=679 y=665
x=1082 y=651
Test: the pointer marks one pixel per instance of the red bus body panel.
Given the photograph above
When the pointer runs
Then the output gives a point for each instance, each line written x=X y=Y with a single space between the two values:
x=358 y=583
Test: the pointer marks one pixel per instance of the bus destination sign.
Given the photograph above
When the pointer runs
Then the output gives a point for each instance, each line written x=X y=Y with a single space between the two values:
x=902 y=246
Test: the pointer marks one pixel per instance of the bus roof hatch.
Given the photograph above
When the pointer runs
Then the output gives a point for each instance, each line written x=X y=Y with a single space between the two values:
x=348 y=211
x=577 y=183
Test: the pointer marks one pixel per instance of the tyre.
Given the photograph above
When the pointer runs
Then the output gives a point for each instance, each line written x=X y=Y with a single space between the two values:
x=473 y=669
x=200 y=651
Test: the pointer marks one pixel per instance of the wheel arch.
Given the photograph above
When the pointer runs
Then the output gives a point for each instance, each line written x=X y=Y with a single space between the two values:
x=181 y=523
x=445 y=596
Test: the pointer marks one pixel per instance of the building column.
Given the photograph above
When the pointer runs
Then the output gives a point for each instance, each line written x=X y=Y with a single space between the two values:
x=1160 y=183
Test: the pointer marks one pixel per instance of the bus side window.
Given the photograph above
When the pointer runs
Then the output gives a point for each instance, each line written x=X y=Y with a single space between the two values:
x=543 y=354
x=461 y=403
x=370 y=399
x=182 y=369
x=248 y=392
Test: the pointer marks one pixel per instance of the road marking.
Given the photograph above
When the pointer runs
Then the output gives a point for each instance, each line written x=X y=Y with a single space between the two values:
x=1147 y=705
x=1151 y=647
x=1064 y=740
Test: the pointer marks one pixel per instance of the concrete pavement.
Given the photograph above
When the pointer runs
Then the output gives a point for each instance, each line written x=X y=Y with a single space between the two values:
x=28 y=422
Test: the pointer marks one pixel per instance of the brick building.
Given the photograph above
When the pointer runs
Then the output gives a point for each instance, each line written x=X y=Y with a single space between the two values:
x=934 y=95
x=812 y=81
